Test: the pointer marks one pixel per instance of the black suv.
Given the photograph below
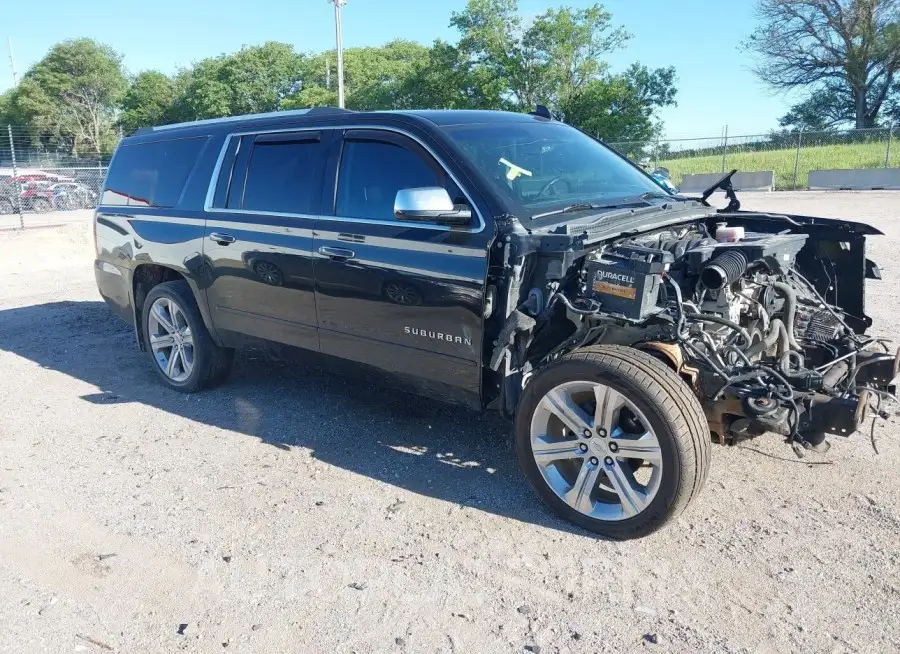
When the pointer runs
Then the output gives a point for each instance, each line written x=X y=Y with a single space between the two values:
x=502 y=261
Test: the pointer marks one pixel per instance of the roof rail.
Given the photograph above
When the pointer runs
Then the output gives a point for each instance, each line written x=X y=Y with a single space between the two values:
x=314 y=111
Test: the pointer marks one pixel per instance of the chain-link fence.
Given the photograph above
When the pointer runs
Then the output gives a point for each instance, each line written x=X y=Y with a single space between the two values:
x=791 y=155
x=42 y=173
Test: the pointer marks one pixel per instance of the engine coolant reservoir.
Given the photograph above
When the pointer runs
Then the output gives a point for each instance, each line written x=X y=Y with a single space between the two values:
x=726 y=234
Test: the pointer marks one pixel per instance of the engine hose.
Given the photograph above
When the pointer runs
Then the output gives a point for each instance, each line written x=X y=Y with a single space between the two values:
x=708 y=317
x=680 y=303
x=712 y=364
x=790 y=310
x=562 y=298
x=791 y=359
x=725 y=269
x=777 y=335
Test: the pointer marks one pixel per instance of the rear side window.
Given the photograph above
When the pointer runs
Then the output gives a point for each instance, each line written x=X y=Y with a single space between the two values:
x=283 y=175
x=151 y=174
x=371 y=174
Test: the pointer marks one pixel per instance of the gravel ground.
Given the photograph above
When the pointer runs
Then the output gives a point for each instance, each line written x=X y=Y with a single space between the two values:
x=295 y=511
x=12 y=220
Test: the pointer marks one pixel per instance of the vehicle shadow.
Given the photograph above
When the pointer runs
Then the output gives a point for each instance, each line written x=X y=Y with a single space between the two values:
x=422 y=446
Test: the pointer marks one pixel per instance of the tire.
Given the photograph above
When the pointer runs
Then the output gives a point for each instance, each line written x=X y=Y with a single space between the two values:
x=41 y=205
x=6 y=207
x=202 y=363
x=659 y=406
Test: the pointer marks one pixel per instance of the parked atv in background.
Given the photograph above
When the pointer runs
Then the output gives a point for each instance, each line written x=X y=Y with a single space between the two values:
x=38 y=197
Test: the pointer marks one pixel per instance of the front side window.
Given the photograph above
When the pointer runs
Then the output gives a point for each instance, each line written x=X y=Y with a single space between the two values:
x=283 y=175
x=372 y=172
x=151 y=174
x=541 y=166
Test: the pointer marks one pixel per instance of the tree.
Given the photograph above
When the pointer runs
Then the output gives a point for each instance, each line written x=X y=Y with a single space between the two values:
x=374 y=77
x=846 y=52
x=73 y=93
x=892 y=107
x=546 y=62
x=623 y=107
x=557 y=60
x=260 y=77
x=833 y=106
x=398 y=75
x=252 y=80
x=148 y=101
x=826 y=108
x=7 y=112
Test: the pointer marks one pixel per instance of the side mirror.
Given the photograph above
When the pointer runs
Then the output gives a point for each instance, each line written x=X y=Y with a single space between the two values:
x=430 y=204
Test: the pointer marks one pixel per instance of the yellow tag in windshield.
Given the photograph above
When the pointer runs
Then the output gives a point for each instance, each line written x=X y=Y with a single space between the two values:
x=513 y=171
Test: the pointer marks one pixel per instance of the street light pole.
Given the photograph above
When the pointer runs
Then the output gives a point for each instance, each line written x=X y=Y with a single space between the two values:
x=12 y=62
x=340 y=49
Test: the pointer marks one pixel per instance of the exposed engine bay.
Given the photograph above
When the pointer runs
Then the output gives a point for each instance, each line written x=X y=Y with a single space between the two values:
x=761 y=315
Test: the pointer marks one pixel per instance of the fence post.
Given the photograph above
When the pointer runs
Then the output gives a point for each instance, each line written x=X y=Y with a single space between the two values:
x=656 y=153
x=16 y=186
x=725 y=149
x=797 y=158
x=887 y=156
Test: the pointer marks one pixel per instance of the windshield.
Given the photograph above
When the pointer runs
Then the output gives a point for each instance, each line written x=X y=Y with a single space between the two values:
x=542 y=166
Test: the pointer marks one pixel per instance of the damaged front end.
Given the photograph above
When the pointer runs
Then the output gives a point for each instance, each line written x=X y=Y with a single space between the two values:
x=762 y=315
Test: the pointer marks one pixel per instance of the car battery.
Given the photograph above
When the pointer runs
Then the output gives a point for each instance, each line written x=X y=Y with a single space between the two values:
x=625 y=280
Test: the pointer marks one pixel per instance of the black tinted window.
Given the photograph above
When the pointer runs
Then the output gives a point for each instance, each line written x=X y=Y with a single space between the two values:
x=283 y=176
x=151 y=174
x=540 y=166
x=371 y=174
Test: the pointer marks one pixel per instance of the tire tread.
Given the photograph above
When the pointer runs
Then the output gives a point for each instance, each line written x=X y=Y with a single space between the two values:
x=680 y=408
x=215 y=361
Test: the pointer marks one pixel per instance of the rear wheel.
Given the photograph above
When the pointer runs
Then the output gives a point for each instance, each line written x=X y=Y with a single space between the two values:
x=6 y=206
x=41 y=205
x=183 y=353
x=613 y=440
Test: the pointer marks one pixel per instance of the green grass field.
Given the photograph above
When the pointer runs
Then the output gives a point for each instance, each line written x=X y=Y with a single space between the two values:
x=822 y=157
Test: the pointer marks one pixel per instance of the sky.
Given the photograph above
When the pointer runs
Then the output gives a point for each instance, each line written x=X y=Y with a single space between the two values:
x=699 y=37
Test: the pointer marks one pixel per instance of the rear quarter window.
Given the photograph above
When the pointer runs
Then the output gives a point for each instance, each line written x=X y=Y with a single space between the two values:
x=151 y=174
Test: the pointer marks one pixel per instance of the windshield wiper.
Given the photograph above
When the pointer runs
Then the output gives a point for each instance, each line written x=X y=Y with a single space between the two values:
x=581 y=206
x=619 y=204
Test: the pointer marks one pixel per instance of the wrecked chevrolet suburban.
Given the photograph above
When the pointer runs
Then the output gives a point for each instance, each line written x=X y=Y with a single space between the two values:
x=503 y=261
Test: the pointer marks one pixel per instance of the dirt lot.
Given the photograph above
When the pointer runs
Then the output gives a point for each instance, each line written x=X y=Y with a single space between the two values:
x=295 y=511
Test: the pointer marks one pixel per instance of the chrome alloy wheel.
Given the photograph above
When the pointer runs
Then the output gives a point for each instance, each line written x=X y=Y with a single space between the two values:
x=596 y=450
x=171 y=339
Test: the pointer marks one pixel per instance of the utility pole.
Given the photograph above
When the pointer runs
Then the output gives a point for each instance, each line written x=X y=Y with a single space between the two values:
x=12 y=61
x=340 y=49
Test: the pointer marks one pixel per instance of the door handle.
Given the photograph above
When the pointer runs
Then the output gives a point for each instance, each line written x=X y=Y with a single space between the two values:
x=337 y=253
x=222 y=239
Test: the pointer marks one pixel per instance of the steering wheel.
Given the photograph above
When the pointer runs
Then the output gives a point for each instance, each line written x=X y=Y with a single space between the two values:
x=549 y=187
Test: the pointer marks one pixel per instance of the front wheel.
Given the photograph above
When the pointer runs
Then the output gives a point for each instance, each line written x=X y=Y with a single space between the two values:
x=184 y=355
x=613 y=440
